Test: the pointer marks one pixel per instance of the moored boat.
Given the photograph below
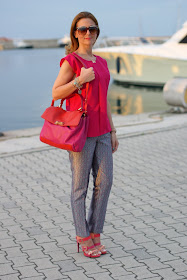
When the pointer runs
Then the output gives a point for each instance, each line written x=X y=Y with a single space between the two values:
x=149 y=64
x=62 y=42
x=20 y=44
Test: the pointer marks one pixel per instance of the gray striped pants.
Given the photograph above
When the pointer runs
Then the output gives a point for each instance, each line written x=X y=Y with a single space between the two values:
x=96 y=155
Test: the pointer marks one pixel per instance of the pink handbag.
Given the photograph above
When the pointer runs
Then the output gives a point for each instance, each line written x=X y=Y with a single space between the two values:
x=66 y=129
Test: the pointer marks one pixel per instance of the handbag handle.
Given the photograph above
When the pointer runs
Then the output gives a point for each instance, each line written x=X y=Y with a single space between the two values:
x=87 y=84
x=73 y=94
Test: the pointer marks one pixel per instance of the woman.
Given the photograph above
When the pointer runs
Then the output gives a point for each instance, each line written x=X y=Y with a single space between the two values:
x=101 y=139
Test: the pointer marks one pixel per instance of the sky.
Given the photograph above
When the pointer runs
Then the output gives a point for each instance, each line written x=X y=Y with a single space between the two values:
x=39 y=19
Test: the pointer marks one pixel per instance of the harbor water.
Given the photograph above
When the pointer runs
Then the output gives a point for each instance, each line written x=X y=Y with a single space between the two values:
x=26 y=80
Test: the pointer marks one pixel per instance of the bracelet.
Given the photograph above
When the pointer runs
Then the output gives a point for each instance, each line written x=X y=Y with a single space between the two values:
x=113 y=130
x=77 y=84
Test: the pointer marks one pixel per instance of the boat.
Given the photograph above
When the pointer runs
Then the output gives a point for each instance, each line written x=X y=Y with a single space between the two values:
x=20 y=44
x=62 y=42
x=148 y=64
x=124 y=41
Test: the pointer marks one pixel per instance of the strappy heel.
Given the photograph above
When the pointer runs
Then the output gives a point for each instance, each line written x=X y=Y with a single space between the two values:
x=91 y=251
x=100 y=247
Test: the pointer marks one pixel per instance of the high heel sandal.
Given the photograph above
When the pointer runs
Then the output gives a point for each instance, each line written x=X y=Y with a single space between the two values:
x=100 y=247
x=94 y=253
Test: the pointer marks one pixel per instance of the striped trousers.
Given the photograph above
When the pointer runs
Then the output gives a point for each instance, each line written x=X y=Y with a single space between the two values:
x=96 y=156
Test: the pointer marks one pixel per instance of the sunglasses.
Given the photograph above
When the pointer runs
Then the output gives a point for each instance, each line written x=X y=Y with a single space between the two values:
x=83 y=30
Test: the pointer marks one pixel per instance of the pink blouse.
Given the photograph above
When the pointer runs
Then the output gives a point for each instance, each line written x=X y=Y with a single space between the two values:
x=97 y=94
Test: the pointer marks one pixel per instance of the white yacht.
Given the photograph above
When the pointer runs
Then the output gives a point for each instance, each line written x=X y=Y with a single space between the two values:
x=148 y=64
x=20 y=44
x=62 y=42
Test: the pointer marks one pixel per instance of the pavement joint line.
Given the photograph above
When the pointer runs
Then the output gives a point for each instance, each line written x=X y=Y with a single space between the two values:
x=4 y=138
x=151 y=131
x=27 y=151
x=137 y=124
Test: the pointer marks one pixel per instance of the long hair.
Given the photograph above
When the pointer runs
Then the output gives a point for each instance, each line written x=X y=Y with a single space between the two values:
x=74 y=44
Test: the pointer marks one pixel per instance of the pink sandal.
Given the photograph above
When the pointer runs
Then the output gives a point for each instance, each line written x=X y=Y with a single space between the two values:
x=91 y=251
x=100 y=247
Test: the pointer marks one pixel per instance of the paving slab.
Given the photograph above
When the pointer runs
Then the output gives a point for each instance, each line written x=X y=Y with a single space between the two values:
x=145 y=227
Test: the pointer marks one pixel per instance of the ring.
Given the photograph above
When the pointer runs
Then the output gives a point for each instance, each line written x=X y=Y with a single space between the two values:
x=113 y=149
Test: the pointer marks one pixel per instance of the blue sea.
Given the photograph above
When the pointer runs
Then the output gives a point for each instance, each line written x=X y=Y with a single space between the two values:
x=26 y=81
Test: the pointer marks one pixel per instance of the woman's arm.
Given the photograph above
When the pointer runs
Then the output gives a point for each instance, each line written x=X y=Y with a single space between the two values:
x=63 y=85
x=114 y=139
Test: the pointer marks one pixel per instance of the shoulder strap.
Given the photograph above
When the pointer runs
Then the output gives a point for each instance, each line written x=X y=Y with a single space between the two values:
x=87 y=84
x=78 y=58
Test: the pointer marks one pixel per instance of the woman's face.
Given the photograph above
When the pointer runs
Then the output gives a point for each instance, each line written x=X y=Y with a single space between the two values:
x=90 y=37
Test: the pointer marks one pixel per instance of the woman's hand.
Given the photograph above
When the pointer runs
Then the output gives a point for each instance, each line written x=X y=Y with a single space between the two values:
x=114 y=142
x=86 y=75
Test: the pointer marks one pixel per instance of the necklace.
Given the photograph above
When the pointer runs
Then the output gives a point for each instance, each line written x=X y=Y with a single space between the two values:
x=94 y=61
x=89 y=58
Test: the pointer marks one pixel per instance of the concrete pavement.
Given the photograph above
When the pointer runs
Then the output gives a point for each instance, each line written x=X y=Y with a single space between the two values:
x=145 y=230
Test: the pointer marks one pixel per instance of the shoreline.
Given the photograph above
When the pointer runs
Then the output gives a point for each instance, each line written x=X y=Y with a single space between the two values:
x=25 y=140
x=8 y=44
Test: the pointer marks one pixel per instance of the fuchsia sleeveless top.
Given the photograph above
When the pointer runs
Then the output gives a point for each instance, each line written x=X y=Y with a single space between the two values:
x=97 y=94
